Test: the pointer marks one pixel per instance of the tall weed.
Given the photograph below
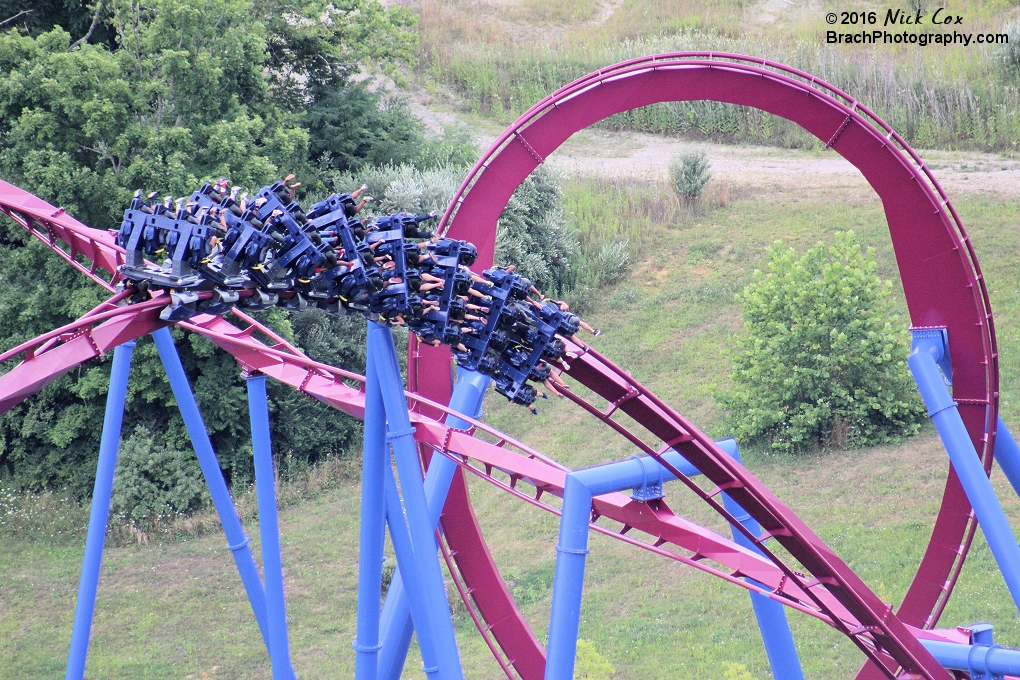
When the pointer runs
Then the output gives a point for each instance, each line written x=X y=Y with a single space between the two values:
x=951 y=103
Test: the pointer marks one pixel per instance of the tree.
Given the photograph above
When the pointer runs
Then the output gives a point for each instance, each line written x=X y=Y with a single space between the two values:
x=824 y=359
x=183 y=99
x=192 y=90
x=77 y=17
x=532 y=233
x=350 y=127
x=182 y=91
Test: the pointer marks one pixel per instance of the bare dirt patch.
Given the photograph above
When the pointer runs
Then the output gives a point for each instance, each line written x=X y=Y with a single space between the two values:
x=644 y=155
x=637 y=154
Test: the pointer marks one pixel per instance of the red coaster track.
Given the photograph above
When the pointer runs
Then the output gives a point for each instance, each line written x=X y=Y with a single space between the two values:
x=943 y=286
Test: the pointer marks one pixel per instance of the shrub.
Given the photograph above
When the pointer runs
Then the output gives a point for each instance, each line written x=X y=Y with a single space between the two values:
x=532 y=233
x=824 y=358
x=611 y=263
x=736 y=671
x=591 y=664
x=154 y=482
x=688 y=175
x=404 y=187
x=1009 y=54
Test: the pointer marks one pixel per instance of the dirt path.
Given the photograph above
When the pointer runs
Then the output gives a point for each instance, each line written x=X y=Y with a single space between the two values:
x=632 y=153
x=649 y=155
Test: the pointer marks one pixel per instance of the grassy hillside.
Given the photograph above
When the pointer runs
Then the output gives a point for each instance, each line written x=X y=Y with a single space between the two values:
x=176 y=609
x=498 y=58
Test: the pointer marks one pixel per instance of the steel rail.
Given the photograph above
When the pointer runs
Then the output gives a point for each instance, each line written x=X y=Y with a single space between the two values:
x=694 y=561
x=440 y=437
x=521 y=464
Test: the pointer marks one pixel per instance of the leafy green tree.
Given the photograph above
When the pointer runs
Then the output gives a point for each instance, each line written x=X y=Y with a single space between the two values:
x=154 y=482
x=182 y=91
x=51 y=441
x=191 y=91
x=349 y=129
x=80 y=18
x=532 y=233
x=824 y=360
x=181 y=100
x=315 y=46
x=314 y=51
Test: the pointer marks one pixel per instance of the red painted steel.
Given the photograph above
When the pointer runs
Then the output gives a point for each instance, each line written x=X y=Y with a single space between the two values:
x=78 y=346
x=518 y=462
x=941 y=277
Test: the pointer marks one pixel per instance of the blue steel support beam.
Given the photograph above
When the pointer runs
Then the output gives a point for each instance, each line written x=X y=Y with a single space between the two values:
x=237 y=541
x=929 y=347
x=771 y=615
x=405 y=453
x=374 y=459
x=404 y=549
x=988 y=660
x=1007 y=453
x=397 y=627
x=568 y=579
x=100 y=514
x=269 y=528
x=635 y=473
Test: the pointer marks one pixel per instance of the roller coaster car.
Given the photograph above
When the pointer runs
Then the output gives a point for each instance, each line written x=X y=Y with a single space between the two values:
x=220 y=252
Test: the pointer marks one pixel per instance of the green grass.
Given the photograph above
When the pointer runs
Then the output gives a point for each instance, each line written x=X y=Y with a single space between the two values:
x=175 y=608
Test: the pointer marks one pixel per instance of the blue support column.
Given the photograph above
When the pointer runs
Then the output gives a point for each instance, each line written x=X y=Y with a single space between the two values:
x=568 y=579
x=418 y=596
x=645 y=476
x=100 y=515
x=269 y=528
x=981 y=660
x=397 y=626
x=771 y=615
x=929 y=348
x=405 y=453
x=374 y=459
x=237 y=541
x=1007 y=453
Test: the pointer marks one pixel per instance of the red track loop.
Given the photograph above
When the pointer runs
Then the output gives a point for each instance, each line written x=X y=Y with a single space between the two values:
x=941 y=279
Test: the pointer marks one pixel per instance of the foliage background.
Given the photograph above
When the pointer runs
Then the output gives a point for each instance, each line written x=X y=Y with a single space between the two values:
x=164 y=95
x=824 y=359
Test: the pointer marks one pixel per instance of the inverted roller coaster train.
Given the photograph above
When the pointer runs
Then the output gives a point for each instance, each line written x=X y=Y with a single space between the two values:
x=223 y=253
